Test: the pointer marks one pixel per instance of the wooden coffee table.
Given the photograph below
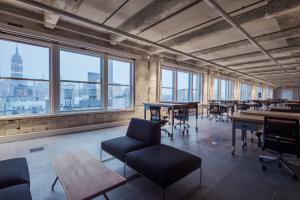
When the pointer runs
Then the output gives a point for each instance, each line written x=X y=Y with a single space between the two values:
x=83 y=176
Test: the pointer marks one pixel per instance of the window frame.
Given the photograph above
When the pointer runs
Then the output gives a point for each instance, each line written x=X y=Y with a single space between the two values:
x=132 y=82
x=175 y=84
x=219 y=94
x=189 y=84
x=173 y=88
x=31 y=42
x=192 y=74
x=250 y=91
x=101 y=83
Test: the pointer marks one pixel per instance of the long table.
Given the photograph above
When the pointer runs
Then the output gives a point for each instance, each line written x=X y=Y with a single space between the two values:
x=173 y=106
x=254 y=121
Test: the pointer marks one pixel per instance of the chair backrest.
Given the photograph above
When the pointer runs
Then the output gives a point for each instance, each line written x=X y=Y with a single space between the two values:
x=281 y=135
x=182 y=112
x=295 y=109
x=214 y=108
x=144 y=130
x=155 y=113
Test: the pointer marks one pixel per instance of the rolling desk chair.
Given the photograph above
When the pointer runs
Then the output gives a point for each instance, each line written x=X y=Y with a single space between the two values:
x=156 y=116
x=182 y=115
x=280 y=135
x=242 y=106
x=295 y=109
x=214 y=111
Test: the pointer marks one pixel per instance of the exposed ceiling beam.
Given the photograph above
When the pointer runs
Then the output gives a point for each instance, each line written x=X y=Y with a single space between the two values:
x=274 y=8
x=273 y=52
x=155 y=12
x=115 y=11
x=263 y=66
x=257 y=63
x=283 y=34
x=51 y=18
x=234 y=24
x=132 y=37
x=273 y=67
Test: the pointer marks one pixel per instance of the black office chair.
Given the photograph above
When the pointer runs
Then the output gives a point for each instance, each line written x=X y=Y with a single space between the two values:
x=181 y=113
x=280 y=135
x=295 y=109
x=242 y=106
x=157 y=117
x=215 y=112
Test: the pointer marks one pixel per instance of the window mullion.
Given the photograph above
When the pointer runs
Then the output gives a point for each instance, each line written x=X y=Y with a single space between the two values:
x=54 y=80
x=105 y=83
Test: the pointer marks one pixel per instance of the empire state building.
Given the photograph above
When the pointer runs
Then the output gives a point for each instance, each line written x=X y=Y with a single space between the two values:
x=16 y=65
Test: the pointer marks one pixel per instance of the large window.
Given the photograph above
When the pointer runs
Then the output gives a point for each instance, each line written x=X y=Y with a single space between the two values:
x=24 y=78
x=167 y=85
x=197 y=88
x=259 y=92
x=223 y=89
x=268 y=93
x=80 y=81
x=180 y=86
x=120 y=84
x=183 y=83
x=246 y=90
x=287 y=93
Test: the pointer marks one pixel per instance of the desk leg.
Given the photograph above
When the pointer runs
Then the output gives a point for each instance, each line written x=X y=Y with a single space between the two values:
x=227 y=114
x=244 y=139
x=52 y=187
x=105 y=196
x=172 y=122
x=145 y=112
x=197 y=118
x=233 y=138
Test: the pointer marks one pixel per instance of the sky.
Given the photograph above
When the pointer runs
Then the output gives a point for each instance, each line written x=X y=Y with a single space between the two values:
x=35 y=59
x=73 y=66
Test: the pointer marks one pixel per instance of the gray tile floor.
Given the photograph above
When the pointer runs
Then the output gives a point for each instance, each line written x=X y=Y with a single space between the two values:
x=224 y=177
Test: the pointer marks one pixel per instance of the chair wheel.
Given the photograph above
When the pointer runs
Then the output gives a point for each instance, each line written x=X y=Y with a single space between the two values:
x=264 y=168
x=279 y=165
x=295 y=177
x=261 y=159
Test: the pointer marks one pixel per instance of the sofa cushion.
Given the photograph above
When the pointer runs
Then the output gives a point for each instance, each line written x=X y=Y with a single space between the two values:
x=163 y=164
x=144 y=130
x=17 y=192
x=118 y=147
x=13 y=171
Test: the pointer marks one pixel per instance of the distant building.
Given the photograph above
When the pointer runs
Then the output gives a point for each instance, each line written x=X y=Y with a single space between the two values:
x=16 y=65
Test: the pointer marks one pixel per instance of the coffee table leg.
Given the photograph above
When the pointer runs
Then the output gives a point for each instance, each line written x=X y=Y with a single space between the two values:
x=105 y=196
x=52 y=187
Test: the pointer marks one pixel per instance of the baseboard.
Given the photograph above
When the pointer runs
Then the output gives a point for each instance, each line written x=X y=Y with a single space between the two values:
x=40 y=134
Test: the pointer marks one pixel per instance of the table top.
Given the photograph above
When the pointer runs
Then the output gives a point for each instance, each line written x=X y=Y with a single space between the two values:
x=281 y=108
x=248 y=118
x=83 y=176
x=287 y=115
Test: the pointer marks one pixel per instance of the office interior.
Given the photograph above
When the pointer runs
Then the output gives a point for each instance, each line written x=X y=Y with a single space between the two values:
x=149 y=99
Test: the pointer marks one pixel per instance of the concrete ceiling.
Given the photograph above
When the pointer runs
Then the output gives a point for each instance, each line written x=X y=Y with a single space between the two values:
x=193 y=27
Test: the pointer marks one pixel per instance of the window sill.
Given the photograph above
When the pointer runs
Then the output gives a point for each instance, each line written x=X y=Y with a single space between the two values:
x=20 y=117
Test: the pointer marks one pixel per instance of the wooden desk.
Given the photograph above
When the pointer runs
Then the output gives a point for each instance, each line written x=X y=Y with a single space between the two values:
x=172 y=106
x=245 y=122
x=83 y=176
x=254 y=121
x=286 y=115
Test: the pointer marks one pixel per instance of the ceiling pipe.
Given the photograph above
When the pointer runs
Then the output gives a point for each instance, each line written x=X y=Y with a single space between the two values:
x=235 y=25
x=61 y=12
